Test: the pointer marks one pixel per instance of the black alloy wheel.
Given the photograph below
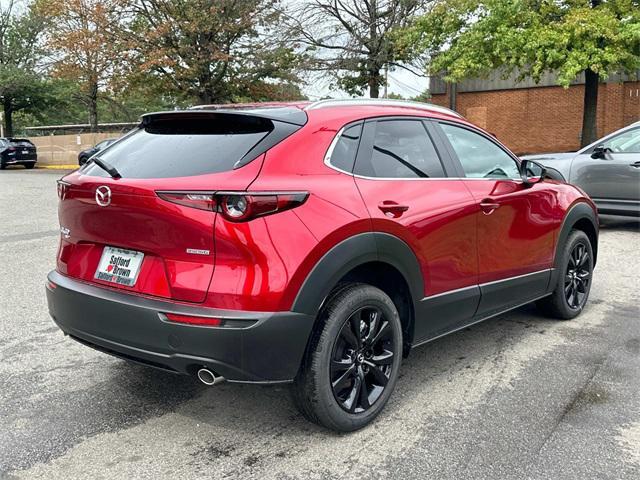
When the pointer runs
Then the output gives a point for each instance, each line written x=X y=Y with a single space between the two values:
x=362 y=359
x=573 y=278
x=353 y=359
x=577 y=276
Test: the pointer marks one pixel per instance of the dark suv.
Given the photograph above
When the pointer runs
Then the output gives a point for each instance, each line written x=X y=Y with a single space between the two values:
x=313 y=244
x=17 y=151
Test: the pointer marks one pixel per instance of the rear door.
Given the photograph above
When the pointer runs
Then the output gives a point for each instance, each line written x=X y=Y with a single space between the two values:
x=614 y=179
x=121 y=225
x=405 y=186
x=515 y=222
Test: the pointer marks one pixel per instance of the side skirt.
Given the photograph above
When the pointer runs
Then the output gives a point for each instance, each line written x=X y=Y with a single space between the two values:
x=448 y=312
x=477 y=320
x=629 y=208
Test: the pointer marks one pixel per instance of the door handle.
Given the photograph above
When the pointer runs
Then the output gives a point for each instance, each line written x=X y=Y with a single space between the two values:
x=392 y=209
x=635 y=164
x=488 y=206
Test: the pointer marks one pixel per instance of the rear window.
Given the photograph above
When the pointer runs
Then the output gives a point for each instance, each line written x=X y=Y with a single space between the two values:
x=182 y=145
x=21 y=142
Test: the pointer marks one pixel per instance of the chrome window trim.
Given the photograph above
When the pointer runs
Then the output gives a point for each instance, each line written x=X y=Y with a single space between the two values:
x=332 y=146
x=334 y=142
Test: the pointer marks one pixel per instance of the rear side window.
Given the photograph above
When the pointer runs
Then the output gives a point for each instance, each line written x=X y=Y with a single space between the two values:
x=182 y=146
x=401 y=149
x=480 y=157
x=345 y=149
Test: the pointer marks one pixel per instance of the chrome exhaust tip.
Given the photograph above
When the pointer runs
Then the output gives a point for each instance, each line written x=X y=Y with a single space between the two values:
x=207 y=377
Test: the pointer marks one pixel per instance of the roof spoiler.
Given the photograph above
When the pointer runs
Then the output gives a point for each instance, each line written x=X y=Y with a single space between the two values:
x=284 y=114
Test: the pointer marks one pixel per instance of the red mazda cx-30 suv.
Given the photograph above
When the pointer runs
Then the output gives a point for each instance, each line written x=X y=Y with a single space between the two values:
x=310 y=243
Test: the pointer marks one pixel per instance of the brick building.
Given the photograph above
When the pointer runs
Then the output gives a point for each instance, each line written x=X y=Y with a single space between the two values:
x=543 y=117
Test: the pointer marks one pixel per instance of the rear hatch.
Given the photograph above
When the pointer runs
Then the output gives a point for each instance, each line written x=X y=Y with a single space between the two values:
x=119 y=233
x=25 y=150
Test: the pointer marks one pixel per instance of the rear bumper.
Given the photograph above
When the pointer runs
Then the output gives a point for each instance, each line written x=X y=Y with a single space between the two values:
x=268 y=351
x=19 y=161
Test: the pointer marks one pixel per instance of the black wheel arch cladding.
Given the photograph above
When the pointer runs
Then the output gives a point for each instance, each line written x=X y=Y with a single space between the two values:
x=579 y=216
x=348 y=255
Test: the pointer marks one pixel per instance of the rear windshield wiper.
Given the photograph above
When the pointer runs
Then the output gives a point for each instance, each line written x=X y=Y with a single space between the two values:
x=106 y=166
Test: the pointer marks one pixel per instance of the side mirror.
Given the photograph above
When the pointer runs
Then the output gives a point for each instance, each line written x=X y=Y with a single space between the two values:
x=599 y=152
x=531 y=172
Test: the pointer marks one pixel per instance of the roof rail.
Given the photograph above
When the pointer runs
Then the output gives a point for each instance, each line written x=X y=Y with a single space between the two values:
x=250 y=105
x=381 y=102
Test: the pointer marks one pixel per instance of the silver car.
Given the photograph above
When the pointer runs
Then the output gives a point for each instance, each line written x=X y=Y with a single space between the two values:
x=608 y=170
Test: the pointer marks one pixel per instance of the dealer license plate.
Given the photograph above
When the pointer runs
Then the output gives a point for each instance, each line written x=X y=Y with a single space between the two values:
x=119 y=266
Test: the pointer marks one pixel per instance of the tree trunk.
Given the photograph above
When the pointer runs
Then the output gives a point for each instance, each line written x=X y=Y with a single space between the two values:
x=372 y=61
x=93 y=107
x=453 y=96
x=589 y=127
x=8 y=117
x=205 y=97
x=374 y=83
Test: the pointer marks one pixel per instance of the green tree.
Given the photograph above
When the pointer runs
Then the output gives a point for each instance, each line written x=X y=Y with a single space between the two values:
x=466 y=38
x=207 y=51
x=21 y=87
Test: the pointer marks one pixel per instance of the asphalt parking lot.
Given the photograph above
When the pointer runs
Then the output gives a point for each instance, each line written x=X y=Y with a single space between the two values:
x=518 y=396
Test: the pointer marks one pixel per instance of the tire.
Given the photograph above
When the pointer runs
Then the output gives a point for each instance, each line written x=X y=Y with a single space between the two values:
x=333 y=354
x=2 y=166
x=29 y=166
x=573 y=284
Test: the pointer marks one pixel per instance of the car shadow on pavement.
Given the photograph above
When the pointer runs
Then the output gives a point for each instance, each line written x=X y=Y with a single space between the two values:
x=466 y=354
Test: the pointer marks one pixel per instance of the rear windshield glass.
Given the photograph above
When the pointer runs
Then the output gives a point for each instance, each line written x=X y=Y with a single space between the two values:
x=182 y=146
x=21 y=142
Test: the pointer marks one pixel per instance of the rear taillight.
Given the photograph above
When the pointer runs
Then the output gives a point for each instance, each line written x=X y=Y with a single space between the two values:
x=202 y=201
x=238 y=206
x=63 y=188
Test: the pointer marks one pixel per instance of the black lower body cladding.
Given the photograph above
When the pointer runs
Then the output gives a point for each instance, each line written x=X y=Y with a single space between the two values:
x=269 y=350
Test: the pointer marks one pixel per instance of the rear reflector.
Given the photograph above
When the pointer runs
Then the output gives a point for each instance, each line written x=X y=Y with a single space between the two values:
x=192 y=320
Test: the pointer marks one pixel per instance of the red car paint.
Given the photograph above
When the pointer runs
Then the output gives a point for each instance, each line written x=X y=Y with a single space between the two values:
x=261 y=264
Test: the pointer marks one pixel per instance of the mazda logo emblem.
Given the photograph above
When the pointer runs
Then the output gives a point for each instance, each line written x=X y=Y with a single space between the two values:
x=103 y=196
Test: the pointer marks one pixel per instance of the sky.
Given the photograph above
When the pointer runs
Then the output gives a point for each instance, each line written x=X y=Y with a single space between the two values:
x=401 y=82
